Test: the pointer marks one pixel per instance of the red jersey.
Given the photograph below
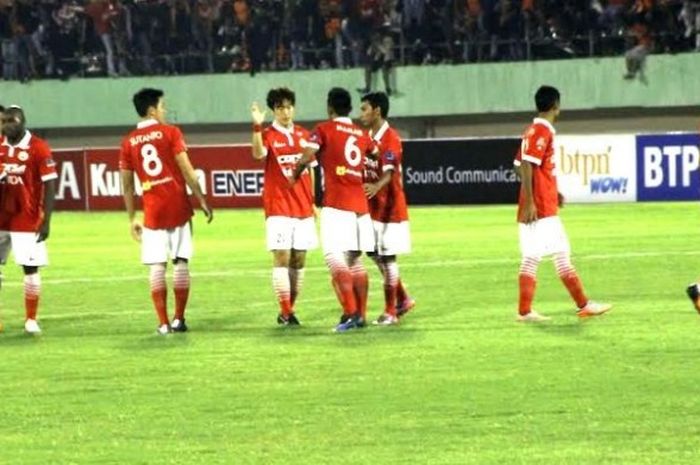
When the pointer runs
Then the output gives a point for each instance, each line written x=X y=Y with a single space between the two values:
x=389 y=205
x=150 y=151
x=28 y=166
x=537 y=147
x=283 y=149
x=343 y=149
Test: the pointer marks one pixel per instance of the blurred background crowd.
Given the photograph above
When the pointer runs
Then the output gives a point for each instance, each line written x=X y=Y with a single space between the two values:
x=62 y=39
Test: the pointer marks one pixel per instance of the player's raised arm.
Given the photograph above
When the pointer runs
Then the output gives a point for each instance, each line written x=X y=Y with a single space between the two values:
x=258 y=117
x=183 y=162
x=128 y=192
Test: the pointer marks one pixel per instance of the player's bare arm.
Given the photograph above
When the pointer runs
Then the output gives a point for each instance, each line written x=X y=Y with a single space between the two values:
x=183 y=162
x=49 y=197
x=258 y=117
x=529 y=211
x=313 y=193
x=304 y=162
x=373 y=188
x=135 y=226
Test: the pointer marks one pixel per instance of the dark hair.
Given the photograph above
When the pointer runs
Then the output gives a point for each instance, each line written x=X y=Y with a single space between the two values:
x=19 y=111
x=276 y=97
x=546 y=97
x=339 y=101
x=2 y=109
x=378 y=100
x=146 y=98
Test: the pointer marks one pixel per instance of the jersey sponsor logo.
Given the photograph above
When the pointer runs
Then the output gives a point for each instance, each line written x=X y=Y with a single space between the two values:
x=15 y=168
x=23 y=156
x=278 y=145
x=143 y=138
x=237 y=183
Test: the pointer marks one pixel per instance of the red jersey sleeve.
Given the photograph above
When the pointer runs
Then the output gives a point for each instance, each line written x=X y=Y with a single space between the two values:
x=124 y=156
x=317 y=138
x=177 y=141
x=391 y=157
x=535 y=143
x=47 y=166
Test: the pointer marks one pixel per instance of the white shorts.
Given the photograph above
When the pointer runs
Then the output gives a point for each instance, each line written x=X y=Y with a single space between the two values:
x=543 y=237
x=157 y=245
x=27 y=251
x=286 y=233
x=344 y=231
x=392 y=238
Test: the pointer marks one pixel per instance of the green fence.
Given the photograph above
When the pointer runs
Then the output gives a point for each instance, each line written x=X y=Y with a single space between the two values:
x=424 y=91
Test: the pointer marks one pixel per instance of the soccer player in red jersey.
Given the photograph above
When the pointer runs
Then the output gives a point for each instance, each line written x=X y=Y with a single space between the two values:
x=387 y=205
x=157 y=153
x=346 y=227
x=26 y=203
x=289 y=211
x=541 y=231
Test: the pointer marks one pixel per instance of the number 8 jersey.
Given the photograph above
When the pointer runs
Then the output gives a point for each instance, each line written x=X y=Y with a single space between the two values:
x=150 y=151
x=342 y=150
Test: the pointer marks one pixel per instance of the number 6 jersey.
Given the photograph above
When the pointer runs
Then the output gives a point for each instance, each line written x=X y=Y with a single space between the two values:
x=342 y=150
x=150 y=151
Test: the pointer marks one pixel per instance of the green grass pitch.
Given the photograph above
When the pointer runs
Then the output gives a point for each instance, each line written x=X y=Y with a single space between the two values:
x=458 y=382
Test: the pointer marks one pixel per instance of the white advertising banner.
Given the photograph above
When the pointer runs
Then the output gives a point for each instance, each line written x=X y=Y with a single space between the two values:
x=600 y=168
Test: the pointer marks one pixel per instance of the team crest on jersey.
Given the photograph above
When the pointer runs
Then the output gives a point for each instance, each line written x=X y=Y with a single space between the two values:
x=541 y=143
x=23 y=156
x=390 y=156
x=50 y=162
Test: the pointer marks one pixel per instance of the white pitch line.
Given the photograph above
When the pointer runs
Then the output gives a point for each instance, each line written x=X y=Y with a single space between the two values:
x=431 y=264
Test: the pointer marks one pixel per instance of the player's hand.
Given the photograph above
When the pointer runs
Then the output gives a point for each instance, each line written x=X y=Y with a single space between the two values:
x=371 y=189
x=136 y=230
x=257 y=114
x=560 y=199
x=44 y=230
x=528 y=214
x=208 y=212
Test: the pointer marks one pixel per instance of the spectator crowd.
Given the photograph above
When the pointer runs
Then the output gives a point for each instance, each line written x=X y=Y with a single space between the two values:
x=64 y=38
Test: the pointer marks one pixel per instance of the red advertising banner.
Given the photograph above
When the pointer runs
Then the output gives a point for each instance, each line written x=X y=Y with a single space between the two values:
x=89 y=179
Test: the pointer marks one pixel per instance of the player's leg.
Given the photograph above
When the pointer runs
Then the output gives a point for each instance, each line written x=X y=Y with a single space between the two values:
x=281 y=284
x=397 y=241
x=32 y=291
x=279 y=231
x=180 y=245
x=531 y=248
x=30 y=255
x=561 y=254
x=366 y=242
x=154 y=254
x=391 y=278
x=337 y=228
x=360 y=283
x=297 y=262
x=304 y=238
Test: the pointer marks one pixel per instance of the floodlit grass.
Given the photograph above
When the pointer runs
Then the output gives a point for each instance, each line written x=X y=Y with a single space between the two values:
x=459 y=382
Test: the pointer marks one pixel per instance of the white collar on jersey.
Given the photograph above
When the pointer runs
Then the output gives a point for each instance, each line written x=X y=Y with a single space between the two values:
x=22 y=144
x=545 y=123
x=147 y=122
x=343 y=119
x=382 y=130
x=286 y=131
